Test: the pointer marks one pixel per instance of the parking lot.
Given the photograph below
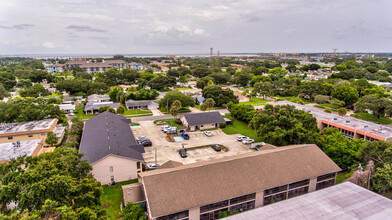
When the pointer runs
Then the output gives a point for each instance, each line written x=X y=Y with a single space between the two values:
x=166 y=150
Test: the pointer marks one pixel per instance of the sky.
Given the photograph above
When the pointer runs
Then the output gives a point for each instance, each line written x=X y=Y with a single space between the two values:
x=193 y=26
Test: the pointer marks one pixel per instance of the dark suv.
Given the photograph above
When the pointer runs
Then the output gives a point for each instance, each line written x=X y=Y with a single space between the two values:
x=182 y=153
x=216 y=147
x=144 y=141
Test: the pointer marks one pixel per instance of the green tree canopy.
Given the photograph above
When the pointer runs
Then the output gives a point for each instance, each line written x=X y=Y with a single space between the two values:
x=174 y=95
x=219 y=95
x=346 y=93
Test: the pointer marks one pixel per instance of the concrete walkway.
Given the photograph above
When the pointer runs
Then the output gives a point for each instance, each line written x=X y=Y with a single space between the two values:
x=193 y=109
x=156 y=112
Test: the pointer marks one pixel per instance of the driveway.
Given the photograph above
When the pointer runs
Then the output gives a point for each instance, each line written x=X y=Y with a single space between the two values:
x=169 y=150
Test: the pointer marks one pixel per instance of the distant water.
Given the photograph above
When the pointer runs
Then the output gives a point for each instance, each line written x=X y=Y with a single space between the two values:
x=67 y=56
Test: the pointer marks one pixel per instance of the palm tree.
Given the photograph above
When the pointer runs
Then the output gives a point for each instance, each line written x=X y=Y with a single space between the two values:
x=210 y=103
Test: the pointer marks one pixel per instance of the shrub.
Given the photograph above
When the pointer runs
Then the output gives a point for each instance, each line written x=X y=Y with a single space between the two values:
x=222 y=125
x=327 y=111
x=178 y=121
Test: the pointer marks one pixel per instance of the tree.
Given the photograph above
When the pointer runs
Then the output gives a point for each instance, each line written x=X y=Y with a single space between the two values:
x=51 y=138
x=171 y=96
x=241 y=112
x=203 y=107
x=361 y=85
x=285 y=125
x=201 y=71
x=161 y=82
x=8 y=80
x=174 y=110
x=314 y=66
x=219 y=95
x=24 y=83
x=49 y=184
x=263 y=88
x=73 y=86
x=341 y=150
x=3 y=92
x=383 y=178
x=310 y=89
x=242 y=79
x=120 y=109
x=321 y=99
x=220 y=77
x=133 y=212
x=176 y=104
x=346 y=93
x=342 y=111
x=379 y=106
x=35 y=91
x=210 y=103
x=378 y=151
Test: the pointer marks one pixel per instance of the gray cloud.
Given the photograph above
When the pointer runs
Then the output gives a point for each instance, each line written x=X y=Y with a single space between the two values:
x=16 y=26
x=84 y=28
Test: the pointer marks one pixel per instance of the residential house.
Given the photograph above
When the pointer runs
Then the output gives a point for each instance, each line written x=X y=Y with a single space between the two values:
x=67 y=108
x=24 y=131
x=201 y=121
x=141 y=104
x=199 y=99
x=110 y=147
x=98 y=98
x=55 y=68
x=93 y=107
x=237 y=183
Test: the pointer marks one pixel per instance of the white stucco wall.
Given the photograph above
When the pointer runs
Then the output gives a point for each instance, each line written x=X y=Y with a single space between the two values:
x=123 y=169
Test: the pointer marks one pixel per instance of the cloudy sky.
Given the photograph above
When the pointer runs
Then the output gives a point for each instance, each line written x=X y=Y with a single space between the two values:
x=193 y=26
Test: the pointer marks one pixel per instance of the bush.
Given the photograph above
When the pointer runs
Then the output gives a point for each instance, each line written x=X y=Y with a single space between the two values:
x=178 y=121
x=327 y=111
x=222 y=125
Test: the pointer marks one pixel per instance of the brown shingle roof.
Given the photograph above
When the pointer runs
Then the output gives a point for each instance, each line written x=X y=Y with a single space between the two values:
x=170 y=164
x=193 y=185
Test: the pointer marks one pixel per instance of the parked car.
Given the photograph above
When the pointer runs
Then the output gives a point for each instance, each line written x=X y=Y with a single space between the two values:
x=248 y=141
x=182 y=152
x=171 y=130
x=185 y=136
x=71 y=114
x=216 y=147
x=160 y=123
x=164 y=127
x=207 y=133
x=143 y=140
x=153 y=166
x=241 y=138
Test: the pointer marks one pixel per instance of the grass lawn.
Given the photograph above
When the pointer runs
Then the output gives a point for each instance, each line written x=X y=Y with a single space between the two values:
x=239 y=127
x=343 y=176
x=80 y=114
x=256 y=101
x=170 y=122
x=327 y=106
x=112 y=197
x=183 y=88
x=182 y=110
x=135 y=112
x=213 y=108
x=370 y=117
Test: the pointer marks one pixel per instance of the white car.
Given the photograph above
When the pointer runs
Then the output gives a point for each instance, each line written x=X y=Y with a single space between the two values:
x=248 y=141
x=163 y=128
x=241 y=138
x=153 y=166
x=207 y=133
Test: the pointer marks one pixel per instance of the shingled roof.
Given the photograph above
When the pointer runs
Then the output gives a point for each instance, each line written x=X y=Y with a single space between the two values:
x=201 y=183
x=203 y=118
x=109 y=134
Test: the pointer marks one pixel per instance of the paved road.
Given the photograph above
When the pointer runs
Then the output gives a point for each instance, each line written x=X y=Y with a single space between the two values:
x=168 y=116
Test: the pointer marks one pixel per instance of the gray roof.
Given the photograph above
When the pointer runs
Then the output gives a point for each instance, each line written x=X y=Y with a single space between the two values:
x=203 y=118
x=96 y=105
x=140 y=102
x=199 y=98
x=109 y=134
x=8 y=150
x=342 y=201
x=9 y=128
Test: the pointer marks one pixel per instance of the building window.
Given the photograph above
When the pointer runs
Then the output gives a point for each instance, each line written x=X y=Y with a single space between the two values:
x=298 y=191
x=177 y=215
x=43 y=134
x=138 y=165
x=242 y=198
x=325 y=184
x=213 y=206
x=325 y=177
x=212 y=215
x=299 y=183
x=111 y=169
x=30 y=135
x=201 y=126
x=275 y=190
x=10 y=138
x=112 y=178
x=243 y=207
x=275 y=198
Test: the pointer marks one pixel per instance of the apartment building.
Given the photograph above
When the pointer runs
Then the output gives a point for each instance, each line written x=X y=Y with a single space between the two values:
x=109 y=146
x=237 y=183
x=350 y=127
x=20 y=148
x=25 y=131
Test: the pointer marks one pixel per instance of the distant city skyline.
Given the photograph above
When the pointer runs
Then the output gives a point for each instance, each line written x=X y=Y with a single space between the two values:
x=193 y=27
